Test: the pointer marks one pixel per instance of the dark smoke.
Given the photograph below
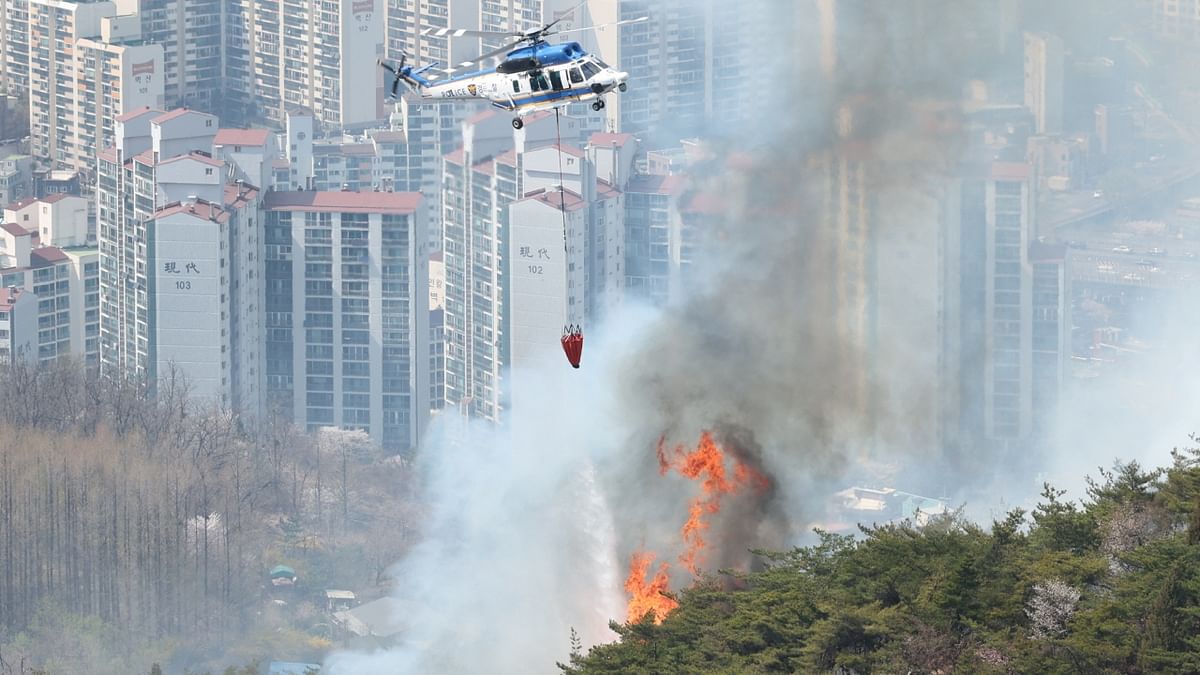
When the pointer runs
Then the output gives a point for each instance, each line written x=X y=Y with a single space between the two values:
x=785 y=342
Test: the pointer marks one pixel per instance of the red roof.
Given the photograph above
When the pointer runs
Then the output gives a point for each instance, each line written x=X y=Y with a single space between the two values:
x=705 y=203
x=1010 y=171
x=134 y=114
x=14 y=229
x=107 y=155
x=601 y=138
x=145 y=157
x=345 y=201
x=202 y=209
x=251 y=137
x=55 y=197
x=174 y=114
x=606 y=190
x=46 y=255
x=508 y=158
x=564 y=200
x=8 y=297
x=198 y=156
x=486 y=167
x=481 y=116
x=563 y=147
x=234 y=200
x=455 y=156
x=21 y=203
x=436 y=256
x=653 y=184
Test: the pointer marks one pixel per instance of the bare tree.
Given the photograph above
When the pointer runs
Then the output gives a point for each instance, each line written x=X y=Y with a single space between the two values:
x=1051 y=607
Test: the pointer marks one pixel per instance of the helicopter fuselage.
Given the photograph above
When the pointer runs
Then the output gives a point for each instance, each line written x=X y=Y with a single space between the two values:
x=533 y=78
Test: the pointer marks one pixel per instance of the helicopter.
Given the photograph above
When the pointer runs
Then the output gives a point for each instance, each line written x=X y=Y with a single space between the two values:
x=533 y=77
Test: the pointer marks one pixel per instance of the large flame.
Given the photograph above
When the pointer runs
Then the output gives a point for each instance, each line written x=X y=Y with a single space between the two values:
x=706 y=463
x=647 y=596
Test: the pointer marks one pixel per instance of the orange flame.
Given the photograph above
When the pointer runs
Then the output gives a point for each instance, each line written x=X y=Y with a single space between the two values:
x=706 y=462
x=647 y=596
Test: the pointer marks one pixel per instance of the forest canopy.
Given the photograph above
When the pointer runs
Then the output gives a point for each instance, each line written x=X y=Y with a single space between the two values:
x=1111 y=584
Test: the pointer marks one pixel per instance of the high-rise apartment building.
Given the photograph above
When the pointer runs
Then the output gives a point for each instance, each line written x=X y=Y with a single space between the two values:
x=1014 y=330
x=481 y=180
x=693 y=66
x=204 y=299
x=18 y=324
x=1177 y=20
x=44 y=250
x=80 y=83
x=14 y=45
x=322 y=57
x=16 y=178
x=1044 y=81
x=179 y=250
x=347 y=309
x=190 y=34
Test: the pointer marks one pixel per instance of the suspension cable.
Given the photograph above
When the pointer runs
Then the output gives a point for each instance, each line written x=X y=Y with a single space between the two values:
x=562 y=188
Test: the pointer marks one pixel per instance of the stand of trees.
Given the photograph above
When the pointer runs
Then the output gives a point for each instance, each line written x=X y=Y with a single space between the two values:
x=138 y=526
x=1111 y=585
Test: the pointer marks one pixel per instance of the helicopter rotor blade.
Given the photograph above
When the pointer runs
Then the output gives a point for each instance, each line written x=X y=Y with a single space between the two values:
x=601 y=25
x=545 y=30
x=479 y=59
x=462 y=32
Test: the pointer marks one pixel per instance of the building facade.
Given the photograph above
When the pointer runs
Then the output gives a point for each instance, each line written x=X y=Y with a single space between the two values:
x=190 y=34
x=179 y=239
x=347 y=311
x=43 y=250
x=80 y=83
x=1044 y=81
x=321 y=57
x=18 y=324
x=14 y=45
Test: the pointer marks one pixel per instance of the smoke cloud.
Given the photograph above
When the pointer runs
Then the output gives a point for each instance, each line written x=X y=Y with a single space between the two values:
x=774 y=348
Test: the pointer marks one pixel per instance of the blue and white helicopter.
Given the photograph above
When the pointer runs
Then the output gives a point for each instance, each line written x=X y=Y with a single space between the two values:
x=538 y=76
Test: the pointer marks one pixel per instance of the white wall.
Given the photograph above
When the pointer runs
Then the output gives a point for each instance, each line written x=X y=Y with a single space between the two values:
x=539 y=304
x=362 y=44
x=177 y=180
x=180 y=135
x=187 y=317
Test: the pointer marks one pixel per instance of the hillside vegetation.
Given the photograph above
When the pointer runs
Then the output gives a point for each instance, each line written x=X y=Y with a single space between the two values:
x=1111 y=585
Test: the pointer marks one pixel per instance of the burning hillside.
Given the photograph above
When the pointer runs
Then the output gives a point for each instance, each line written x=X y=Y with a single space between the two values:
x=723 y=470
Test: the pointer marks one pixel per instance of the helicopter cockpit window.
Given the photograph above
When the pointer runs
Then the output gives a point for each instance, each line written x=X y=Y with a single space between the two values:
x=602 y=64
x=556 y=80
x=589 y=70
x=576 y=76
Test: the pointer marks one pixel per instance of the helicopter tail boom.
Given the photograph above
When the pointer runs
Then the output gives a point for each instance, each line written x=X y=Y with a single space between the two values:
x=409 y=75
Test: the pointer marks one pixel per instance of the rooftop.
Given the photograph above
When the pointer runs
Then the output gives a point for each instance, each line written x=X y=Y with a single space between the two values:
x=345 y=201
x=563 y=200
x=201 y=208
x=175 y=114
x=237 y=197
x=654 y=184
x=21 y=203
x=134 y=114
x=196 y=155
x=601 y=138
x=251 y=137
x=46 y=256
x=14 y=229
x=9 y=296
